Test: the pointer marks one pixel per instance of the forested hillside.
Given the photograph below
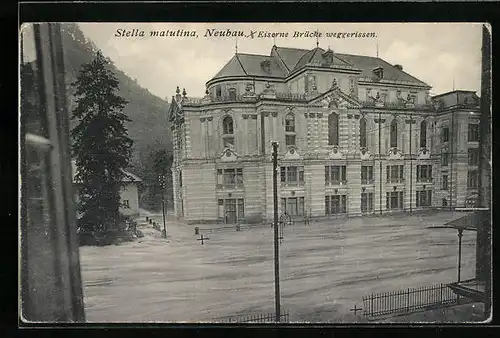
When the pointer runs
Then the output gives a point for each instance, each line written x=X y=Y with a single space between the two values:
x=149 y=128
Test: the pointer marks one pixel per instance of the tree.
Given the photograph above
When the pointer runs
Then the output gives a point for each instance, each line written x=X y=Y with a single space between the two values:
x=158 y=162
x=101 y=146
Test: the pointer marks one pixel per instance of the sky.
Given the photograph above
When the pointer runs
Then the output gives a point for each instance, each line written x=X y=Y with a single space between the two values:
x=440 y=54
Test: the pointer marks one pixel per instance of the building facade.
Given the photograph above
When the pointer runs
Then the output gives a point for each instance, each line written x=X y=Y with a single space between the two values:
x=129 y=192
x=356 y=136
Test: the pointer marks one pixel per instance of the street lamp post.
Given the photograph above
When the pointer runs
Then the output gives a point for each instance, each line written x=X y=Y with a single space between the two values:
x=162 y=183
x=460 y=234
x=276 y=244
x=460 y=229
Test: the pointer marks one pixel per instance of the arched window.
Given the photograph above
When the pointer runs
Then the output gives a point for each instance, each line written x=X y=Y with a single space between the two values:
x=228 y=131
x=290 y=129
x=333 y=129
x=362 y=132
x=232 y=94
x=394 y=134
x=227 y=125
x=423 y=134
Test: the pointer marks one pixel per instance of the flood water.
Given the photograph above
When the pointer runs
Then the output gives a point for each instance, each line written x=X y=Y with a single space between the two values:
x=325 y=269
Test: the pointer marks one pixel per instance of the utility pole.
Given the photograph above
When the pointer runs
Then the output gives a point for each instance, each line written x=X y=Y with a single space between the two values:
x=276 y=234
x=162 y=183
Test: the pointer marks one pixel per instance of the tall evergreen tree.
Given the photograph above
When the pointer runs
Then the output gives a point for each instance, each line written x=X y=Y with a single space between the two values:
x=101 y=146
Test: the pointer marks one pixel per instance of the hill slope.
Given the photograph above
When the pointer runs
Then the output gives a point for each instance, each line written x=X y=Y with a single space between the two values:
x=149 y=128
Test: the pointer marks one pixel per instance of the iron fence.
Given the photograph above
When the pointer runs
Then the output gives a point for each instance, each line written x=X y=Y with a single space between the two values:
x=409 y=300
x=254 y=318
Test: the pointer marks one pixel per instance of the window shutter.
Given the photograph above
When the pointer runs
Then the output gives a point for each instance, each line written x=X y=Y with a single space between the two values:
x=343 y=173
x=388 y=172
x=418 y=172
x=327 y=174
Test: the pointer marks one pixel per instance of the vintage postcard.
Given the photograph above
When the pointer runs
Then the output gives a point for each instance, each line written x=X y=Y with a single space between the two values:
x=255 y=172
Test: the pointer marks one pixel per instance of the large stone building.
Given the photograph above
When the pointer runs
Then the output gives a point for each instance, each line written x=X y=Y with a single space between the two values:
x=356 y=135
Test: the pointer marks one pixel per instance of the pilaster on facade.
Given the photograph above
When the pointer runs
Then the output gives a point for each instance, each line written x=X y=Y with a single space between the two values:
x=353 y=174
x=317 y=191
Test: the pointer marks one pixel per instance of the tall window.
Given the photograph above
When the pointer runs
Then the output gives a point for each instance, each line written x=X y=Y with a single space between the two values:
x=230 y=178
x=335 y=204
x=445 y=137
x=231 y=209
x=218 y=91
x=232 y=94
x=366 y=174
x=394 y=200
x=228 y=131
x=444 y=159
x=473 y=132
x=472 y=179
x=366 y=202
x=335 y=174
x=290 y=130
x=423 y=134
x=395 y=173
x=444 y=185
x=292 y=175
x=473 y=154
x=424 y=173
x=293 y=206
x=362 y=132
x=180 y=178
x=394 y=134
x=333 y=129
x=424 y=198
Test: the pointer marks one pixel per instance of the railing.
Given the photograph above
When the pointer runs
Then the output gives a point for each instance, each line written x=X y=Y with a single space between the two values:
x=406 y=301
x=291 y=96
x=336 y=182
x=230 y=186
x=292 y=184
x=196 y=101
x=254 y=318
x=395 y=180
x=367 y=181
x=424 y=179
x=397 y=105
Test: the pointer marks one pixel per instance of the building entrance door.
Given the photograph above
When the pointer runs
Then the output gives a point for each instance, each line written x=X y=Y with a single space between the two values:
x=230 y=209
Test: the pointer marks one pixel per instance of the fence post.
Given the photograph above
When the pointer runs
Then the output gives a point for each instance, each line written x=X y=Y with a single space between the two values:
x=371 y=305
x=407 y=300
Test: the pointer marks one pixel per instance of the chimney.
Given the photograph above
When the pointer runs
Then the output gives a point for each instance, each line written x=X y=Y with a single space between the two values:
x=398 y=67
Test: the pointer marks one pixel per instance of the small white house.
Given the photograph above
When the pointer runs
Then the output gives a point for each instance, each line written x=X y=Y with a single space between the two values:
x=129 y=196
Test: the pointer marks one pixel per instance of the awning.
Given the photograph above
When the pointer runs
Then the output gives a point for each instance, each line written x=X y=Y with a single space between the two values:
x=471 y=289
x=471 y=221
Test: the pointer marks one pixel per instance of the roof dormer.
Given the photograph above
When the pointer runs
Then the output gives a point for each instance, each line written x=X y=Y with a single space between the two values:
x=266 y=66
x=379 y=73
x=328 y=56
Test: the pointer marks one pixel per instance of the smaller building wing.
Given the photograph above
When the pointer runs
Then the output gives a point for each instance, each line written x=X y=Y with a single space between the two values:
x=129 y=177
